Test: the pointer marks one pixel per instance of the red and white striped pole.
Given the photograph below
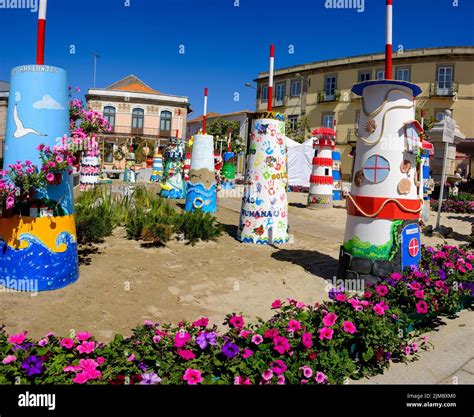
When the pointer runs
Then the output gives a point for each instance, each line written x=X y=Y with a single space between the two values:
x=204 y=116
x=270 y=78
x=388 y=46
x=41 y=32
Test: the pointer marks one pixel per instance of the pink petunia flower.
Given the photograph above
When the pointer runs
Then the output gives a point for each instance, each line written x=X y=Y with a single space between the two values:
x=277 y=304
x=202 y=322
x=186 y=354
x=419 y=294
x=325 y=333
x=380 y=308
x=236 y=321
x=349 y=327
x=67 y=343
x=181 y=339
x=341 y=297
x=86 y=347
x=82 y=336
x=192 y=376
x=381 y=290
x=247 y=353
x=267 y=375
x=307 y=371
x=421 y=307
x=307 y=340
x=329 y=319
x=294 y=326
x=281 y=345
x=257 y=339
x=242 y=380
x=9 y=359
x=320 y=377
x=17 y=339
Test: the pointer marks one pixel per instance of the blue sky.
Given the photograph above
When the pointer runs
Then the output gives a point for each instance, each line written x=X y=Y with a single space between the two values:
x=225 y=46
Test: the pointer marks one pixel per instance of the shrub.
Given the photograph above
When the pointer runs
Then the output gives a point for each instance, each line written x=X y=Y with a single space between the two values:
x=350 y=336
x=197 y=226
x=95 y=216
x=149 y=217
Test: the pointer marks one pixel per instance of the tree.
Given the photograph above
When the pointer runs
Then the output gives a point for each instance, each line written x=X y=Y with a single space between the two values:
x=221 y=128
x=302 y=130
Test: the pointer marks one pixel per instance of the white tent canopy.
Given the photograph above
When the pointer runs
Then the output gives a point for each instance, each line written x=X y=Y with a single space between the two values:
x=300 y=162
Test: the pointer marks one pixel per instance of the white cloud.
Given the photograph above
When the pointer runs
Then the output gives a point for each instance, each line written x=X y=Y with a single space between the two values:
x=47 y=102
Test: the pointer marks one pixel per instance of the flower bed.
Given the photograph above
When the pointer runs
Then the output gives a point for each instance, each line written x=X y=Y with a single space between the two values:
x=454 y=205
x=351 y=336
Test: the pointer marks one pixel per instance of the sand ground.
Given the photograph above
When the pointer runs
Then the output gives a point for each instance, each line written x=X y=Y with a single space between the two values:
x=122 y=283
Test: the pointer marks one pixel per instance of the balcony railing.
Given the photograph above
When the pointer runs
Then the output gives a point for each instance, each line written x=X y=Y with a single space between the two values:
x=144 y=131
x=327 y=96
x=277 y=102
x=444 y=89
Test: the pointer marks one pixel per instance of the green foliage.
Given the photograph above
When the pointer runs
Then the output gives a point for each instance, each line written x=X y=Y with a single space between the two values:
x=302 y=130
x=96 y=216
x=152 y=219
x=221 y=128
x=197 y=226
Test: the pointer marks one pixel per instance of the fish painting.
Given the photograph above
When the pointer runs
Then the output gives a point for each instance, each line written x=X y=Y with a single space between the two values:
x=259 y=231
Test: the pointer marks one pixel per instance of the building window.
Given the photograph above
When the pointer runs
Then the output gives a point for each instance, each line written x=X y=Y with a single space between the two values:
x=138 y=116
x=440 y=114
x=280 y=92
x=444 y=80
x=330 y=85
x=365 y=75
x=293 y=122
x=295 y=88
x=402 y=74
x=108 y=152
x=376 y=169
x=109 y=115
x=265 y=93
x=380 y=74
x=165 y=121
x=328 y=120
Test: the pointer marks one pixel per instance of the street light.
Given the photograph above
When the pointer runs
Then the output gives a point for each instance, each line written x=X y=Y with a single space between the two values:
x=250 y=86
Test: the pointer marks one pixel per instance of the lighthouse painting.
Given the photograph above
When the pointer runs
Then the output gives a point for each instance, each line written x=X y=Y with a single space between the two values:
x=386 y=197
x=321 y=181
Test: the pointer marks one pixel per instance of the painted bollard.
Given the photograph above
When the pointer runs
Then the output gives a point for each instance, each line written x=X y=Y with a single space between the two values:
x=39 y=249
x=228 y=171
x=264 y=213
x=172 y=184
x=321 y=180
x=89 y=172
x=129 y=174
x=201 y=188
x=157 y=167
x=384 y=204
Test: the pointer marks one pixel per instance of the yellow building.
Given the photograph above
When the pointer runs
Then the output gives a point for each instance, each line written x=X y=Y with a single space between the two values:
x=321 y=91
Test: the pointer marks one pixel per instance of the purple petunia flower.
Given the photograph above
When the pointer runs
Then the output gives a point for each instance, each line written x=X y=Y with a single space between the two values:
x=205 y=339
x=230 y=350
x=32 y=365
x=142 y=366
x=150 y=379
